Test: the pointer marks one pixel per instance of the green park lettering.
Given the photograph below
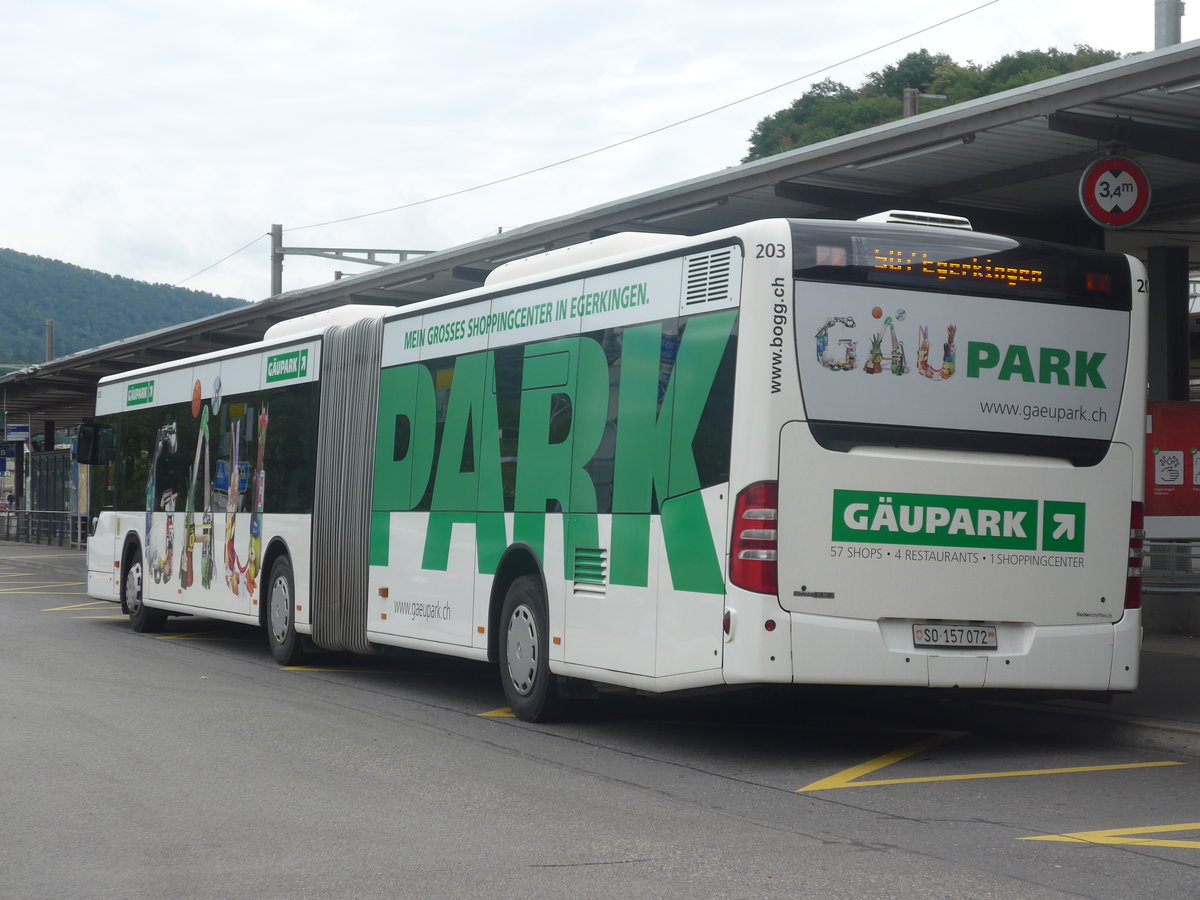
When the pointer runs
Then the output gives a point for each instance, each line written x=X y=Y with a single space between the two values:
x=1040 y=365
x=459 y=476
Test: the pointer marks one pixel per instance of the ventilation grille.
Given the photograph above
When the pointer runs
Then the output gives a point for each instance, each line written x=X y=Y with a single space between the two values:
x=591 y=572
x=709 y=278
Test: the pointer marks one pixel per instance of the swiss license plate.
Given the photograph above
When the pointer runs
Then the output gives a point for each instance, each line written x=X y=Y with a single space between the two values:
x=962 y=637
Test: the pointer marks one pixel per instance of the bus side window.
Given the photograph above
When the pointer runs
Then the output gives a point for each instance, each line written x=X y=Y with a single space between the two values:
x=509 y=363
x=711 y=447
x=137 y=438
x=289 y=456
x=601 y=465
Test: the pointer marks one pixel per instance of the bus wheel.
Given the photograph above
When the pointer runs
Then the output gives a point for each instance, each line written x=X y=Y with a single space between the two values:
x=524 y=668
x=286 y=646
x=142 y=618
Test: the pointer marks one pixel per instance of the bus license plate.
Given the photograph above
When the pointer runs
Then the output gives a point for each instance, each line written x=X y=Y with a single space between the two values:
x=963 y=637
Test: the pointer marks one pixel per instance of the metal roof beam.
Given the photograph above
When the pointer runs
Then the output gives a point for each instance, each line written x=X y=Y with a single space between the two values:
x=1162 y=140
x=473 y=275
x=1180 y=203
x=70 y=379
x=991 y=181
x=379 y=297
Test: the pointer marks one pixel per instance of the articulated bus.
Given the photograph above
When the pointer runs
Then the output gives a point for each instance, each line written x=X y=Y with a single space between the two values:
x=892 y=451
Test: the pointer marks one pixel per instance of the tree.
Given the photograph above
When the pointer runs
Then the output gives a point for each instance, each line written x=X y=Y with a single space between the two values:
x=917 y=70
x=829 y=108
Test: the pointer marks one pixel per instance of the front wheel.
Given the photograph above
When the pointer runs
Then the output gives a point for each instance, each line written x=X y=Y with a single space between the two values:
x=142 y=618
x=529 y=684
x=286 y=645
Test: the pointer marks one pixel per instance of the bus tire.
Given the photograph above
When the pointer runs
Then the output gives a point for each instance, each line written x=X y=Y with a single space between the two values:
x=142 y=618
x=529 y=685
x=286 y=645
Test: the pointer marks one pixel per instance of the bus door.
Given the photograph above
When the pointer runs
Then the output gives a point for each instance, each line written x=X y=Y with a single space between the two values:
x=97 y=449
x=568 y=439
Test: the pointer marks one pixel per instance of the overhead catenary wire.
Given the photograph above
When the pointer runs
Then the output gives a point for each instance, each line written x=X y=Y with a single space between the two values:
x=612 y=146
x=223 y=259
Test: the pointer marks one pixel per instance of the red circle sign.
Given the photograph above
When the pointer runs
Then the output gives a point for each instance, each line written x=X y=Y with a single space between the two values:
x=1114 y=192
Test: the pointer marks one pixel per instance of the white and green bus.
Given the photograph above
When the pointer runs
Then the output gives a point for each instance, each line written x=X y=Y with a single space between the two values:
x=794 y=451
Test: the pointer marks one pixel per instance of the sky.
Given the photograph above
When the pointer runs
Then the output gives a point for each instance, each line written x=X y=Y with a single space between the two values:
x=156 y=138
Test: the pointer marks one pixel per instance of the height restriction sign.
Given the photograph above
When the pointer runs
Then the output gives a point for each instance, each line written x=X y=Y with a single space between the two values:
x=1114 y=192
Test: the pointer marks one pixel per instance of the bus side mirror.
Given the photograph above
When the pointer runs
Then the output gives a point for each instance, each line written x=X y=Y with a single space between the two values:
x=85 y=444
x=90 y=443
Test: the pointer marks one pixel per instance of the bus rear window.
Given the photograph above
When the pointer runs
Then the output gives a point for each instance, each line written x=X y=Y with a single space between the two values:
x=924 y=337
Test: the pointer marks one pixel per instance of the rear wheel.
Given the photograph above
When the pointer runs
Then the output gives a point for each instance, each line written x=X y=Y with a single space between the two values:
x=529 y=685
x=142 y=618
x=286 y=645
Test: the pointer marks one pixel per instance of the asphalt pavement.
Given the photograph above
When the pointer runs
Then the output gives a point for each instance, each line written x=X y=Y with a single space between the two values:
x=1163 y=713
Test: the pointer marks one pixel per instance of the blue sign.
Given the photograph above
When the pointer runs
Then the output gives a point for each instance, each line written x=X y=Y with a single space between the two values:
x=221 y=481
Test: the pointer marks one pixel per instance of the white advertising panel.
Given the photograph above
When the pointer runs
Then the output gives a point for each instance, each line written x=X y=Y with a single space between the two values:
x=647 y=293
x=896 y=357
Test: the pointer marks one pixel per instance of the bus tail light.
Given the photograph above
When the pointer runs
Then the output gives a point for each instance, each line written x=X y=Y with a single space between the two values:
x=754 y=547
x=1137 y=545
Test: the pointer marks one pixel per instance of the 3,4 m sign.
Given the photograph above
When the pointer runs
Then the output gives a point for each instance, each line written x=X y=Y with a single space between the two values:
x=1114 y=192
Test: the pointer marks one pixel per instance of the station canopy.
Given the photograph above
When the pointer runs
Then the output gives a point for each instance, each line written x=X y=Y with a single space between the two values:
x=1009 y=162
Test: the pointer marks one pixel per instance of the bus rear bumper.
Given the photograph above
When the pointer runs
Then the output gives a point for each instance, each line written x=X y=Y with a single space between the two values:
x=1091 y=657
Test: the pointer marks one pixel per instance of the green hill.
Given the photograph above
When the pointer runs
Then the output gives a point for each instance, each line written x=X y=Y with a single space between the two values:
x=89 y=308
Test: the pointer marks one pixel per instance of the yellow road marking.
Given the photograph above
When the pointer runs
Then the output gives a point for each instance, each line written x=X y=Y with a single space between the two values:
x=1125 y=836
x=1067 y=770
x=343 y=670
x=77 y=606
x=502 y=713
x=46 y=593
x=849 y=778
x=37 y=588
x=99 y=617
x=198 y=636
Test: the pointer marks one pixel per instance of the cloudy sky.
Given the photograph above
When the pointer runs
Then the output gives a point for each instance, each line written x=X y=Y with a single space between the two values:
x=152 y=138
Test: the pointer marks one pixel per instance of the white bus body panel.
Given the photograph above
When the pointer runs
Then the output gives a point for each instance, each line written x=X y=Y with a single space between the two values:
x=867 y=577
x=428 y=605
x=620 y=634
x=226 y=597
x=103 y=578
x=832 y=650
x=857 y=600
